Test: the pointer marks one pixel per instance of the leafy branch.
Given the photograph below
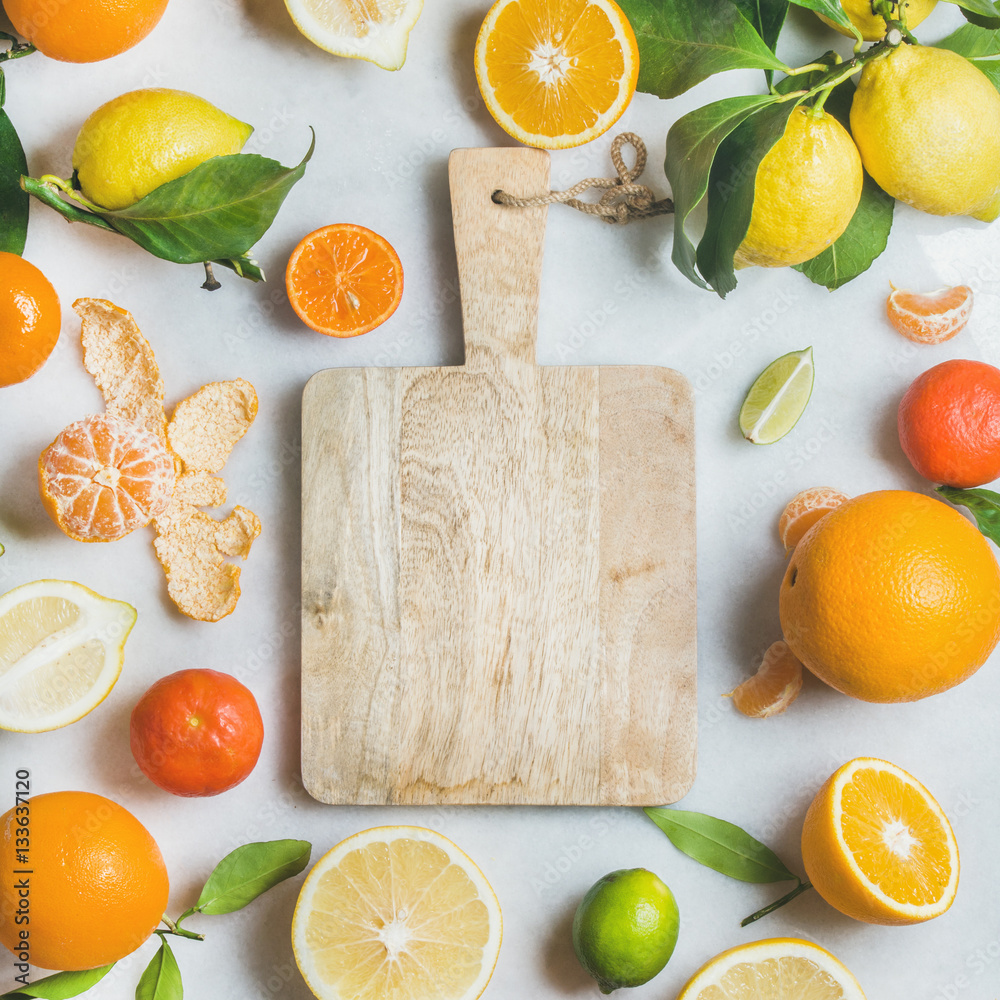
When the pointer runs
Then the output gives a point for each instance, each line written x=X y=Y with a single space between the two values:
x=16 y=49
x=238 y=879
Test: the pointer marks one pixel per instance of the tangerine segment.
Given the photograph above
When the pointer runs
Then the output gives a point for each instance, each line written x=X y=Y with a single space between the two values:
x=930 y=318
x=396 y=912
x=877 y=846
x=344 y=280
x=556 y=73
x=102 y=478
x=804 y=510
x=774 y=687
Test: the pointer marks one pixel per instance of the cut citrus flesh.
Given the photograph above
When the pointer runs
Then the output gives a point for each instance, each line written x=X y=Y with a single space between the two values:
x=778 y=398
x=930 y=318
x=774 y=687
x=375 y=30
x=103 y=477
x=804 y=510
x=556 y=73
x=400 y=912
x=61 y=651
x=344 y=280
x=877 y=846
x=774 y=969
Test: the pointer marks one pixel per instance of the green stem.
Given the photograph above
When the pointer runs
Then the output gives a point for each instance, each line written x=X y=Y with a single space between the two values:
x=811 y=68
x=69 y=191
x=174 y=928
x=185 y=915
x=777 y=904
x=17 y=48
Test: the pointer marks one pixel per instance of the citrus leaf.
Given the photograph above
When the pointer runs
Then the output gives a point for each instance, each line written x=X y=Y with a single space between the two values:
x=61 y=986
x=980 y=10
x=13 y=200
x=244 y=874
x=719 y=845
x=833 y=10
x=731 y=192
x=691 y=147
x=767 y=18
x=980 y=46
x=161 y=979
x=682 y=42
x=984 y=504
x=867 y=234
x=219 y=210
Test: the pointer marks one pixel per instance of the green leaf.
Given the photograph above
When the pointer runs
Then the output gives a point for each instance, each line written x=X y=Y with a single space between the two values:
x=731 y=192
x=867 y=233
x=61 y=986
x=767 y=18
x=161 y=979
x=682 y=42
x=984 y=504
x=13 y=200
x=978 y=10
x=219 y=210
x=721 y=846
x=249 y=871
x=833 y=10
x=691 y=147
x=980 y=46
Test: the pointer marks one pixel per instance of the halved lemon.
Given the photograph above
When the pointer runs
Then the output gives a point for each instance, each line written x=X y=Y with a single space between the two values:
x=375 y=30
x=396 y=911
x=877 y=846
x=774 y=969
x=556 y=73
x=61 y=651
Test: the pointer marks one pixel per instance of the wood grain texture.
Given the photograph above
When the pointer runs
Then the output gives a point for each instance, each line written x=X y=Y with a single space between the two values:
x=498 y=559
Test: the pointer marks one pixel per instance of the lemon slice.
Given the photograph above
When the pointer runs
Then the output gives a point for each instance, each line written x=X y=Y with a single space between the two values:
x=778 y=398
x=396 y=911
x=774 y=969
x=375 y=30
x=61 y=651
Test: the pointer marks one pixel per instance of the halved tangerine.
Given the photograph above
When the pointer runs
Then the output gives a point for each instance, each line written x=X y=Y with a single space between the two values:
x=103 y=477
x=930 y=318
x=344 y=280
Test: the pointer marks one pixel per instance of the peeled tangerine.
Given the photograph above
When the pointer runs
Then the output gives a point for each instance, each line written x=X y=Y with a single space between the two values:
x=927 y=123
x=806 y=192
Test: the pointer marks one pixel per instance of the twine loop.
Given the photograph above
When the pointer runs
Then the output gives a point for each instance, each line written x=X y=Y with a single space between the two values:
x=623 y=200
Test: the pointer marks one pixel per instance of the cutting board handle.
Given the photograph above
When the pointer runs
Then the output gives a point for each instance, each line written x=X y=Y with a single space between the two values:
x=499 y=252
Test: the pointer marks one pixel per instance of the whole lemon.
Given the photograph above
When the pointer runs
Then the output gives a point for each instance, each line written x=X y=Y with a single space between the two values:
x=893 y=596
x=625 y=928
x=807 y=189
x=145 y=138
x=927 y=123
x=871 y=26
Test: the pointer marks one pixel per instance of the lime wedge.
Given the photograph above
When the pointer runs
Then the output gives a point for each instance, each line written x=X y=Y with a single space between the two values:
x=778 y=398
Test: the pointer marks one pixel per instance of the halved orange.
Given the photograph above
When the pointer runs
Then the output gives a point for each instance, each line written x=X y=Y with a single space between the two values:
x=773 y=688
x=556 y=73
x=930 y=318
x=344 y=280
x=877 y=846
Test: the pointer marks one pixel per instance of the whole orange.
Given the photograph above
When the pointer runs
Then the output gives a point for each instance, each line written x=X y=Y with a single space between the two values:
x=96 y=888
x=197 y=732
x=893 y=596
x=82 y=31
x=29 y=319
x=949 y=423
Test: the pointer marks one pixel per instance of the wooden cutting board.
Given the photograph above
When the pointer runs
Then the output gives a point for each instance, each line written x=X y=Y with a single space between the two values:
x=498 y=559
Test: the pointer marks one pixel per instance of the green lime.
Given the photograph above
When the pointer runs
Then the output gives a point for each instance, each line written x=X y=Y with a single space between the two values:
x=625 y=928
x=778 y=398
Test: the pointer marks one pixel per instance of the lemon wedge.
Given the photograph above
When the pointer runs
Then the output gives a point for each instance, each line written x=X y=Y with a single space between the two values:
x=61 y=651
x=774 y=969
x=396 y=911
x=375 y=30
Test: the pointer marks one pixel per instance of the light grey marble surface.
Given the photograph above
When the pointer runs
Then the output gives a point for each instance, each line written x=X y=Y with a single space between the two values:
x=610 y=295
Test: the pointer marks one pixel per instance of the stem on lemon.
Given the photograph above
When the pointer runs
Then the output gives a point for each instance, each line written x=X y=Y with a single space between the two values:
x=66 y=188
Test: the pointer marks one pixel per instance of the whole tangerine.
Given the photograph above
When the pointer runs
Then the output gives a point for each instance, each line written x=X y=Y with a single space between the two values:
x=893 y=596
x=29 y=319
x=82 y=31
x=949 y=423
x=197 y=732
x=98 y=885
